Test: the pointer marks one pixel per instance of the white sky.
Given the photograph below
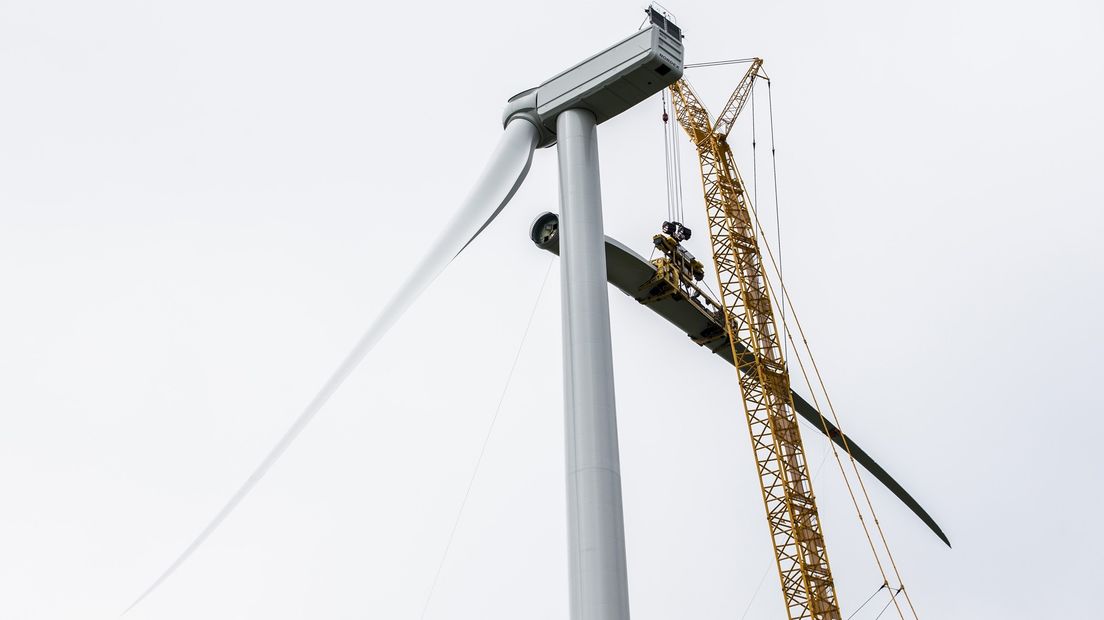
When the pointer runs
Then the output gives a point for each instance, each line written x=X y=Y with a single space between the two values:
x=203 y=204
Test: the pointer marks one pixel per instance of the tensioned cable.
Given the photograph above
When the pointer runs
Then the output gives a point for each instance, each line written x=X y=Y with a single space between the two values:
x=667 y=156
x=754 y=153
x=788 y=339
x=487 y=437
x=757 y=588
x=675 y=178
x=716 y=63
x=785 y=295
x=880 y=588
x=675 y=171
x=824 y=426
x=777 y=219
x=839 y=426
x=705 y=283
x=893 y=598
x=835 y=417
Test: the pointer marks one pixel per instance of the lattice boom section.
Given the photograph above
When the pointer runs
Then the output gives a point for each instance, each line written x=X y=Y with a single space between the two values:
x=764 y=380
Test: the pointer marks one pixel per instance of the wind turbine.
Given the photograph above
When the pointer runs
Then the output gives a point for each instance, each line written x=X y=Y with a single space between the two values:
x=565 y=110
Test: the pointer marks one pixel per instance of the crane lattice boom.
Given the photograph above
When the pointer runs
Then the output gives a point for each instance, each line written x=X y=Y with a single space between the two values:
x=795 y=526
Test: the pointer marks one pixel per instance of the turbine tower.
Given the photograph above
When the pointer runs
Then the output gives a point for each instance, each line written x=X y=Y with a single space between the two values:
x=567 y=109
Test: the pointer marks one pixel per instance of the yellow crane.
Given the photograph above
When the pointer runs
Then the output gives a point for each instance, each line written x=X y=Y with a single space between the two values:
x=795 y=527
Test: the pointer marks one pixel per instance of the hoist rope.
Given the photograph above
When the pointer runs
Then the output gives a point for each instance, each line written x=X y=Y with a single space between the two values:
x=675 y=172
x=839 y=463
x=846 y=444
x=823 y=420
x=892 y=598
x=782 y=298
x=857 y=610
x=762 y=579
x=678 y=172
x=716 y=63
x=676 y=210
x=754 y=154
x=777 y=218
x=486 y=438
x=667 y=158
x=835 y=417
x=785 y=304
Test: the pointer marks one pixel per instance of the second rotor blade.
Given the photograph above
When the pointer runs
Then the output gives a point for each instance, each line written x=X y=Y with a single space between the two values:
x=497 y=184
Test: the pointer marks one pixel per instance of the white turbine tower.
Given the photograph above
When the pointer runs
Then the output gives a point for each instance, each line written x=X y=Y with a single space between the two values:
x=568 y=108
x=564 y=110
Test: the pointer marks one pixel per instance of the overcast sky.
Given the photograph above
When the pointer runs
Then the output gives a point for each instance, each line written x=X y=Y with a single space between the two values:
x=203 y=204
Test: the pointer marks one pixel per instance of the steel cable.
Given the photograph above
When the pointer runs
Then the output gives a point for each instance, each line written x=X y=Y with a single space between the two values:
x=717 y=63
x=486 y=439
x=870 y=598
x=775 y=264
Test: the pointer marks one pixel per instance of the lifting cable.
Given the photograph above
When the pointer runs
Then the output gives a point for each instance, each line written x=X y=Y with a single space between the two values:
x=754 y=154
x=893 y=598
x=717 y=63
x=777 y=219
x=880 y=588
x=667 y=157
x=676 y=170
x=843 y=472
x=486 y=438
x=787 y=302
x=673 y=159
x=843 y=437
x=762 y=579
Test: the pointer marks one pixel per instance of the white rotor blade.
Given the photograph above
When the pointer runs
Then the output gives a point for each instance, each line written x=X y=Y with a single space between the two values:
x=496 y=186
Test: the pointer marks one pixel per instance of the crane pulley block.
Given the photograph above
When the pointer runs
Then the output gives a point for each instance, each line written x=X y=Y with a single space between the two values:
x=679 y=256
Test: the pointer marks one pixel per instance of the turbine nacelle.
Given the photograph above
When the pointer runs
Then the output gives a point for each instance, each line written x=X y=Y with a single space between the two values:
x=607 y=83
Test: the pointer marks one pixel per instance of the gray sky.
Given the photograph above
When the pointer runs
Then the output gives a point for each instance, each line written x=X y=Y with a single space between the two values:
x=202 y=205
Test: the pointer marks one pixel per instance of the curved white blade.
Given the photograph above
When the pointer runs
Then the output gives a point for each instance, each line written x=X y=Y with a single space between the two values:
x=496 y=186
